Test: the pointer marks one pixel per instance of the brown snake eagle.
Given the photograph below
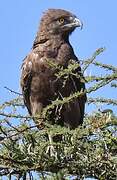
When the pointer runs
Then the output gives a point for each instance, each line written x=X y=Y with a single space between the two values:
x=39 y=83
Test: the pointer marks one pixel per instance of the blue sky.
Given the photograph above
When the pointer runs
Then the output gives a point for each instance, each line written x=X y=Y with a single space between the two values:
x=19 y=22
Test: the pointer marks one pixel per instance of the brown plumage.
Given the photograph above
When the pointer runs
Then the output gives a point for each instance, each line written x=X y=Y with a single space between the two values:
x=38 y=80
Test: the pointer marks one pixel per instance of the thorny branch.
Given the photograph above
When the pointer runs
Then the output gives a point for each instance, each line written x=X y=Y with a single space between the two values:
x=23 y=148
x=13 y=91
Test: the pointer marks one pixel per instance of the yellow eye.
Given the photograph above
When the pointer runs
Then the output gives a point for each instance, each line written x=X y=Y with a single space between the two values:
x=61 y=20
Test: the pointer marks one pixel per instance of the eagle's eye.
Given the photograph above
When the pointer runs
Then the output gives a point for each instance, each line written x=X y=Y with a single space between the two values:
x=61 y=20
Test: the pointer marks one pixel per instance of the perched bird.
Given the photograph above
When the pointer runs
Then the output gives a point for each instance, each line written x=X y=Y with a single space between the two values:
x=39 y=83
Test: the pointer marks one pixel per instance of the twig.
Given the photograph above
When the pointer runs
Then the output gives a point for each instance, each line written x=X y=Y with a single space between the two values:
x=102 y=100
x=15 y=116
x=105 y=66
x=20 y=116
x=12 y=91
x=13 y=102
x=20 y=131
x=100 y=78
x=90 y=61
x=13 y=160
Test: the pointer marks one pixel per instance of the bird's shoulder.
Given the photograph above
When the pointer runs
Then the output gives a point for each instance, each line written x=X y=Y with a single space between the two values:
x=29 y=65
x=33 y=62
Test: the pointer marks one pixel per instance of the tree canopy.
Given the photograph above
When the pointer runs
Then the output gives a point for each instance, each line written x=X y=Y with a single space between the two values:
x=87 y=151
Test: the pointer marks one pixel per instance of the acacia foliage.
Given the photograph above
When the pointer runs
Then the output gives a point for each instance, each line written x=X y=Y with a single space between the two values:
x=89 y=150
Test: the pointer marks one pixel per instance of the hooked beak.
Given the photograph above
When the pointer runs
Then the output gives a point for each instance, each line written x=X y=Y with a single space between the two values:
x=77 y=23
x=74 y=22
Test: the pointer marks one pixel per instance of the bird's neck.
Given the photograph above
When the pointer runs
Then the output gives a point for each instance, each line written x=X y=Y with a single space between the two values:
x=44 y=37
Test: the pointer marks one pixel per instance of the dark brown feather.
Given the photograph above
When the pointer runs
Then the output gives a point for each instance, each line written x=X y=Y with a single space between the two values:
x=38 y=80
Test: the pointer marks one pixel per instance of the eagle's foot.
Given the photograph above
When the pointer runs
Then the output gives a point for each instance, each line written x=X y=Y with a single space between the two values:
x=50 y=149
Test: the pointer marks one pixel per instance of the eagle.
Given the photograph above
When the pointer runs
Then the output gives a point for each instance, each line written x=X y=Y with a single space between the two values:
x=39 y=82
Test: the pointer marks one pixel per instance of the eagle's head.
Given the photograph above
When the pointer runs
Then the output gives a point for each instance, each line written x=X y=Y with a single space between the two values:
x=58 y=21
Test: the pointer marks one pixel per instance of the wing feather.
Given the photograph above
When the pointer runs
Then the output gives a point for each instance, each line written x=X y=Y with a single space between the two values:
x=25 y=81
